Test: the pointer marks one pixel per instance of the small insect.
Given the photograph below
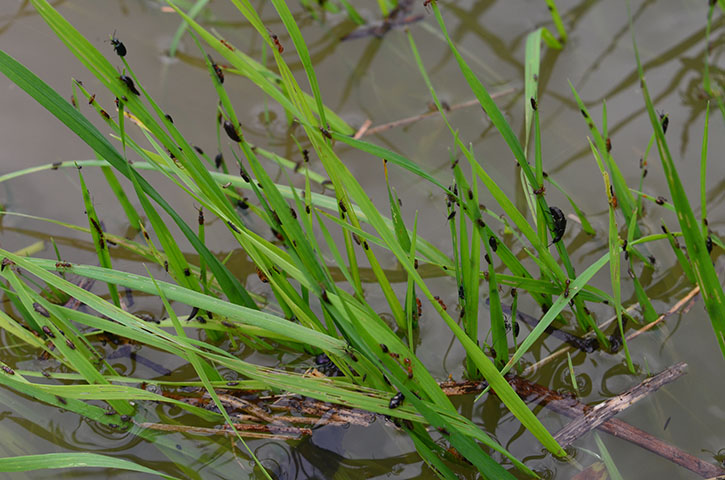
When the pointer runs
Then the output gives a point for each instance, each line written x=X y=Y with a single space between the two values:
x=125 y=418
x=342 y=206
x=396 y=401
x=192 y=314
x=410 y=371
x=540 y=191
x=8 y=370
x=48 y=331
x=187 y=272
x=660 y=200
x=324 y=296
x=427 y=2
x=516 y=329
x=279 y=46
x=480 y=222
x=559 y=221
x=56 y=165
x=231 y=131
x=326 y=133
x=104 y=114
x=6 y=262
x=200 y=219
x=92 y=99
x=293 y=213
x=665 y=121
x=613 y=200
x=129 y=83
x=226 y=44
x=166 y=266
x=41 y=309
x=168 y=117
x=566 y=288
x=199 y=150
x=384 y=348
x=451 y=215
x=70 y=344
x=534 y=105
x=470 y=194
x=96 y=226
x=218 y=160
x=73 y=101
x=415 y=264
x=492 y=242
x=262 y=276
x=708 y=243
x=488 y=259
x=118 y=46
x=419 y=306
x=609 y=144
x=217 y=70
x=440 y=302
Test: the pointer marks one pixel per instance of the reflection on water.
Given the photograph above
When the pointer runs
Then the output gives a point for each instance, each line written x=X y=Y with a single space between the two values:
x=376 y=78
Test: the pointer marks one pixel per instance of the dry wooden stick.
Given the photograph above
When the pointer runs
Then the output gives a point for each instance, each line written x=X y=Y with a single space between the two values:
x=618 y=428
x=609 y=408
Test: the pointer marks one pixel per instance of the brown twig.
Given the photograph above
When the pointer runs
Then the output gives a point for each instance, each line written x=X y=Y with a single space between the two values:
x=609 y=408
x=620 y=429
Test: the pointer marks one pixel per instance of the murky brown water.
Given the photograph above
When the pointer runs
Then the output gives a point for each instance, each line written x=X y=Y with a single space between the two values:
x=370 y=78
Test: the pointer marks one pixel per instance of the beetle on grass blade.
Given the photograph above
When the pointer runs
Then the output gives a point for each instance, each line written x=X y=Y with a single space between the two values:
x=118 y=46
x=129 y=83
x=559 y=221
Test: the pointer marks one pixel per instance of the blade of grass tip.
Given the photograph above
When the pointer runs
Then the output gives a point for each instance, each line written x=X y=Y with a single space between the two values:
x=49 y=461
x=193 y=12
x=557 y=19
x=703 y=171
x=710 y=287
x=104 y=256
x=607 y=459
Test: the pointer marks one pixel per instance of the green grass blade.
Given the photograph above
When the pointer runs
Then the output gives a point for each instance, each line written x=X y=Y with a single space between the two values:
x=49 y=461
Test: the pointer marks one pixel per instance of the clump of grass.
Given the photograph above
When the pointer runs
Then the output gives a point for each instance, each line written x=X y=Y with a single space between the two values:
x=380 y=371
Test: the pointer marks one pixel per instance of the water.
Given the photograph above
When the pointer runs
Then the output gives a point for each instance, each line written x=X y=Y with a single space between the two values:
x=370 y=78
